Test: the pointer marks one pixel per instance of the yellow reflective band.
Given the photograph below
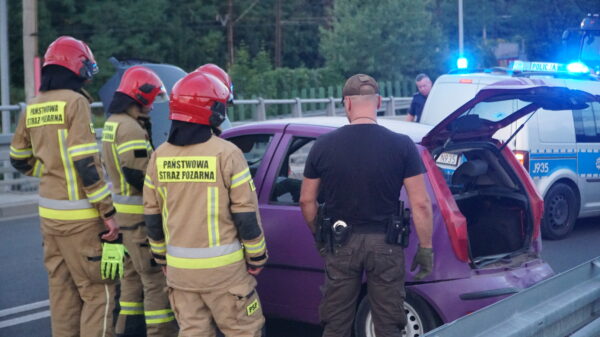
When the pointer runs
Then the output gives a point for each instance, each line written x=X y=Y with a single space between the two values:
x=68 y=214
x=109 y=133
x=158 y=247
x=187 y=169
x=165 y=211
x=212 y=208
x=159 y=316
x=129 y=209
x=131 y=312
x=131 y=308
x=67 y=164
x=205 y=263
x=125 y=189
x=148 y=182
x=132 y=145
x=45 y=114
x=252 y=187
x=255 y=248
x=83 y=149
x=131 y=304
x=99 y=194
x=21 y=153
x=92 y=129
x=240 y=178
x=252 y=307
x=38 y=168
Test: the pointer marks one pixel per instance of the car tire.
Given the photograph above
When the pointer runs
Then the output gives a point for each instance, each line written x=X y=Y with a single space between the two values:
x=419 y=316
x=560 y=212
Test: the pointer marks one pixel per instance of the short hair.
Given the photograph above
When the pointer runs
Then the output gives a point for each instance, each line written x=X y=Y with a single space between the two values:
x=420 y=77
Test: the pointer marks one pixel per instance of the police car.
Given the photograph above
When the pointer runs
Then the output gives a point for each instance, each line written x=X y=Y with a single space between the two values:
x=560 y=150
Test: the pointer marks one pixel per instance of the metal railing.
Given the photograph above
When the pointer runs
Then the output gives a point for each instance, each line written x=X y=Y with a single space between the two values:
x=568 y=304
x=12 y=181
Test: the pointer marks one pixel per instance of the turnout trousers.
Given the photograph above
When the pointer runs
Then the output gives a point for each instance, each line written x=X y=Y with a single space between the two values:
x=81 y=303
x=383 y=264
x=234 y=307
x=144 y=303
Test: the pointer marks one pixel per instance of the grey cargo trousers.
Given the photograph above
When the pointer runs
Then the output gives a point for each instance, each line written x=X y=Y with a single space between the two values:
x=383 y=264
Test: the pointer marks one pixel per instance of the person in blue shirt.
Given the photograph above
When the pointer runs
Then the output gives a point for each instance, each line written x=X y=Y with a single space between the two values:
x=424 y=84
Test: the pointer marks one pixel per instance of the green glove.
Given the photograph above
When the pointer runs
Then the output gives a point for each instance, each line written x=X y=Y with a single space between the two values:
x=423 y=259
x=113 y=254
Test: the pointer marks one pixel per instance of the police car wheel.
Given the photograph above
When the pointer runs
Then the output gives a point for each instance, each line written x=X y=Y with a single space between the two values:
x=560 y=212
x=420 y=318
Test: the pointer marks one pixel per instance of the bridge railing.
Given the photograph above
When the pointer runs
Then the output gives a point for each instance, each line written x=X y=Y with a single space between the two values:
x=12 y=181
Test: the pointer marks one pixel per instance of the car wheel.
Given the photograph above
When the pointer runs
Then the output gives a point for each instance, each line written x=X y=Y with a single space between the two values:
x=560 y=212
x=420 y=318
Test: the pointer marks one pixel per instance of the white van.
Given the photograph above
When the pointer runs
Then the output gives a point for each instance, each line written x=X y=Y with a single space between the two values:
x=560 y=149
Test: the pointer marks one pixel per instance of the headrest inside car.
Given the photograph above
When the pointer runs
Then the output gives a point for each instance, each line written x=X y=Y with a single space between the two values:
x=467 y=171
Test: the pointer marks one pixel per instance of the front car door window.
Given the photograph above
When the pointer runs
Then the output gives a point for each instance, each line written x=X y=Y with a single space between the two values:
x=286 y=188
x=254 y=148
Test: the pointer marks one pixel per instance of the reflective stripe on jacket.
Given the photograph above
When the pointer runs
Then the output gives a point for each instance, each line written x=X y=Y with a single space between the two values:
x=125 y=144
x=199 y=190
x=55 y=141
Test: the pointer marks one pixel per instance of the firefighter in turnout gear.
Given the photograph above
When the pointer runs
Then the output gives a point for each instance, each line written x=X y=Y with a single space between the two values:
x=126 y=147
x=56 y=142
x=202 y=217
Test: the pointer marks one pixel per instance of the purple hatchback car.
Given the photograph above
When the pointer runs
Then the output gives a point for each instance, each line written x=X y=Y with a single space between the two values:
x=487 y=211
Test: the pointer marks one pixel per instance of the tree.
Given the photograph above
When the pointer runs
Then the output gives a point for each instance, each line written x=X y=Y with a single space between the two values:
x=382 y=38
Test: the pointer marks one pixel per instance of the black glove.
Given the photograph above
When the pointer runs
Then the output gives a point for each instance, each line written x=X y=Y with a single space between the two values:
x=423 y=259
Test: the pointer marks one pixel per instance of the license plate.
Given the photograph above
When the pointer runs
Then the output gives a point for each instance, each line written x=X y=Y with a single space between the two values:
x=448 y=159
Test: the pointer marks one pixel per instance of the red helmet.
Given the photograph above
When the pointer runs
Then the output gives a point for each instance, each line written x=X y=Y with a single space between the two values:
x=199 y=98
x=219 y=73
x=143 y=85
x=72 y=54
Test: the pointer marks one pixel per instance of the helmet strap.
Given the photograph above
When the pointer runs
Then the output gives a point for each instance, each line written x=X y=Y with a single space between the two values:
x=218 y=114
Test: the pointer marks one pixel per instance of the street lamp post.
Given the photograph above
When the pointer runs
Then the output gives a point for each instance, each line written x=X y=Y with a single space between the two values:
x=460 y=28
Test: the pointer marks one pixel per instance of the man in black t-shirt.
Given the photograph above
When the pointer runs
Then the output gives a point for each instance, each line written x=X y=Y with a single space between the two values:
x=360 y=169
x=415 y=110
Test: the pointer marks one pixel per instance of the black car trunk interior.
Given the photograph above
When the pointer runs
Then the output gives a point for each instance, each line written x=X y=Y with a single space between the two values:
x=492 y=200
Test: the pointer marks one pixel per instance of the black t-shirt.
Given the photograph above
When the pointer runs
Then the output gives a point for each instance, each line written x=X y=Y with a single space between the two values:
x=416 y=106
x=362 y=168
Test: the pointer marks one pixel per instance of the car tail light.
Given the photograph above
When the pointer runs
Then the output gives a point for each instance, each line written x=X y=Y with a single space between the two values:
x=465 y=80
x=523 y=158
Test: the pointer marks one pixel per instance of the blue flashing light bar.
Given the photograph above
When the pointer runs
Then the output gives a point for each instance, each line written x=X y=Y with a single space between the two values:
x=578 y=67
x=462 y=63
x=549 y=67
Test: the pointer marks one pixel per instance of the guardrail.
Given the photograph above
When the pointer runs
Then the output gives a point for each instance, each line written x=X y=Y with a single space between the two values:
x=567 y=304
x=11 y=180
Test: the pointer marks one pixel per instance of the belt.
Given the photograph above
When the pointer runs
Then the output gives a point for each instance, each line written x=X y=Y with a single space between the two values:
x=372 y=228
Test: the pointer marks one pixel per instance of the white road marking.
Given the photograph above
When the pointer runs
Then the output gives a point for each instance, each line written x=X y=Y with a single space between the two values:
x=26 y=307
x=24 y=319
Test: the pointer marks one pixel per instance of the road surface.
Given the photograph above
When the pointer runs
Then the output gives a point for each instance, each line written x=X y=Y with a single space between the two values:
x=24 y=293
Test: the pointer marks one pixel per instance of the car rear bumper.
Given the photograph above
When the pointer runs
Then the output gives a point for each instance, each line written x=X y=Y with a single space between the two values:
x=453 y=299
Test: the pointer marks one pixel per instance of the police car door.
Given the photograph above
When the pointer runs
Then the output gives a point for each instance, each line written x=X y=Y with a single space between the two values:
x=587 y=134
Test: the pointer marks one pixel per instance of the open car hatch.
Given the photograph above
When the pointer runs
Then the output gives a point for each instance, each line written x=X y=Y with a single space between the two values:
x=501 y=103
